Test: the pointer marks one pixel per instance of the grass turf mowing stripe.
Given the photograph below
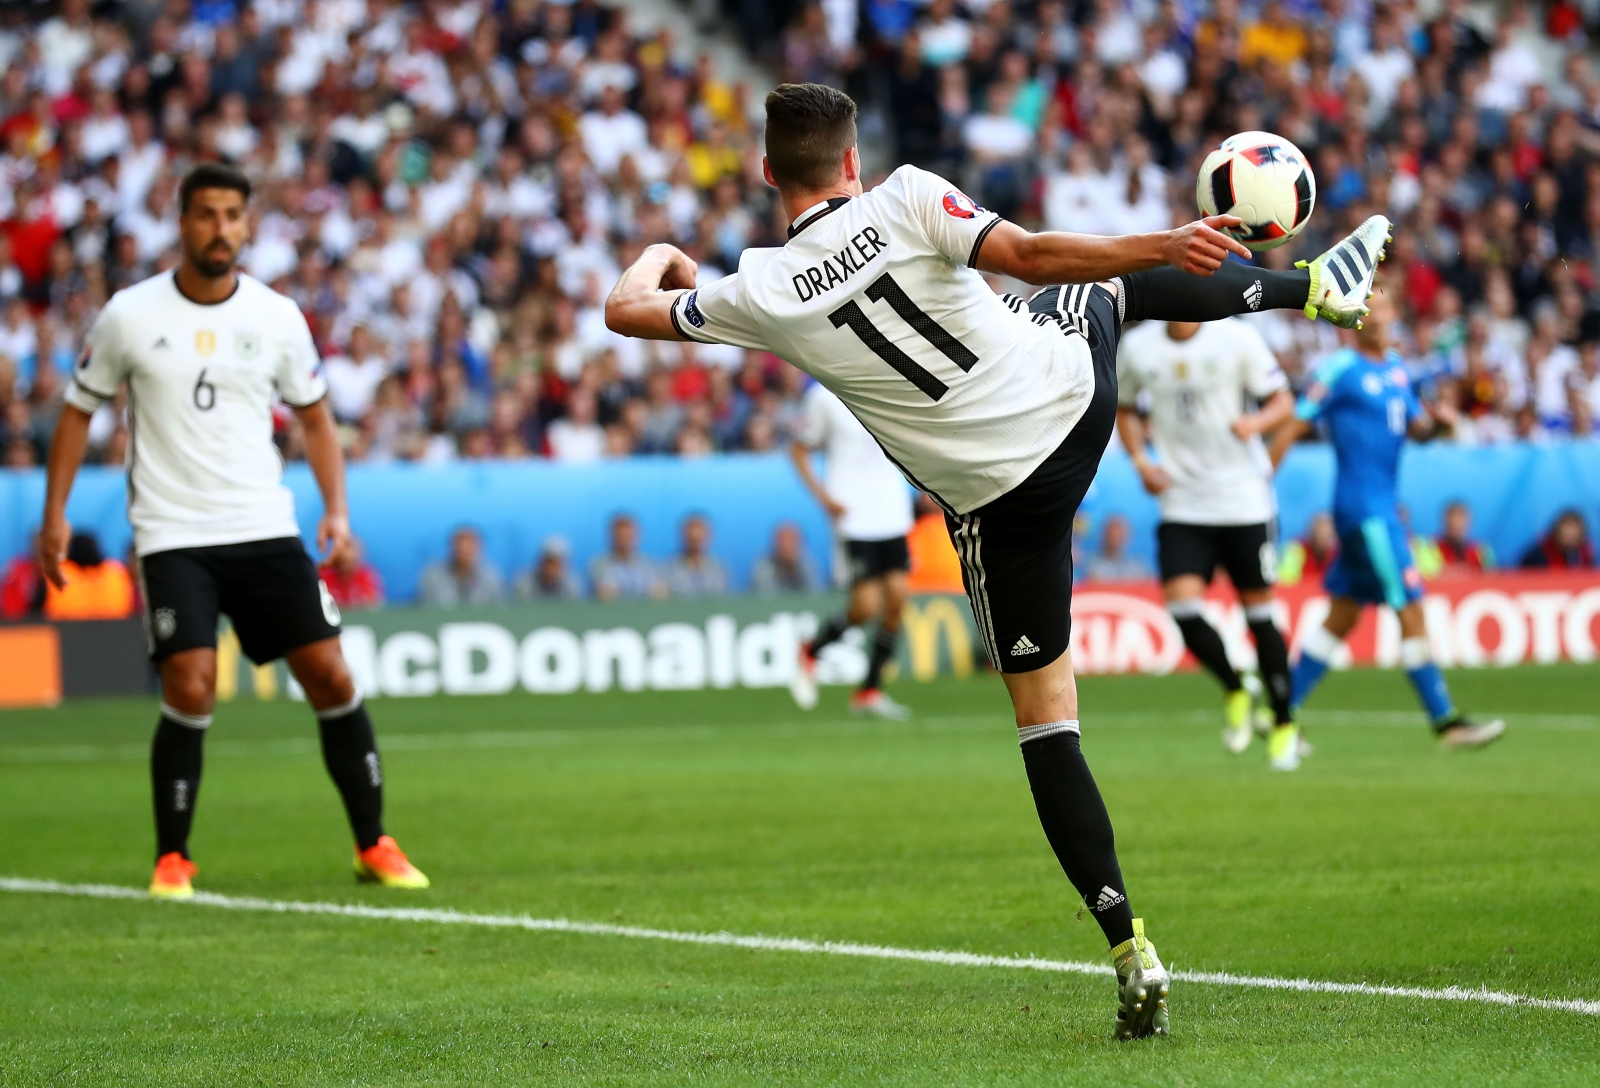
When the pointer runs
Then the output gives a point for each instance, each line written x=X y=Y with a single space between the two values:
x=791 y=944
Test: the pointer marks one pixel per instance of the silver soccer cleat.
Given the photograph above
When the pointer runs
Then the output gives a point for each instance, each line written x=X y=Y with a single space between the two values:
x=1465 y=734
x=1142 y=987
x=1341 y=278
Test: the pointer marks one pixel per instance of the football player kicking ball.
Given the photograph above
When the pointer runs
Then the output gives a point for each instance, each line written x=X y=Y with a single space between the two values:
x=870 y=506
x=1214 y=483
x=203 y=349
x=999 y=408
x=1364 y=397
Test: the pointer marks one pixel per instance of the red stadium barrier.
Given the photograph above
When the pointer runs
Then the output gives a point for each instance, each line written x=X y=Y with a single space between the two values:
x=1499 y=619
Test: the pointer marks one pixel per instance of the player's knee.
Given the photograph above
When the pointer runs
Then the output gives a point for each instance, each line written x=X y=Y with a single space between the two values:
x=326 y=680
x=190 y=687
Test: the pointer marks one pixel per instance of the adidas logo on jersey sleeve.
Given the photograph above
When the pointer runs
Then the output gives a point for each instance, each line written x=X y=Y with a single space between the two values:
x=1024 y=647
x=1253 y=295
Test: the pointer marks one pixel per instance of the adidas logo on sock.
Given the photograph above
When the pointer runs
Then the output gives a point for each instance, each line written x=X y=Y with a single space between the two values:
x=1253 y=295
x=1109 y=897
x=1024 y=647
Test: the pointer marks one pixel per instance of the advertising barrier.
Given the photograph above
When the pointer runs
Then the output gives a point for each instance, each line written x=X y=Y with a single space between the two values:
x=1494 y=620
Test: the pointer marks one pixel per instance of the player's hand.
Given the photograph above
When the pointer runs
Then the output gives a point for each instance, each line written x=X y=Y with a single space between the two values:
x=53 y=539
x=679 y=273
x=1246 y=427
x=835 y=510
x=1445 y=413
x=1199 y=248
x=334 y=540
x=1154 y=477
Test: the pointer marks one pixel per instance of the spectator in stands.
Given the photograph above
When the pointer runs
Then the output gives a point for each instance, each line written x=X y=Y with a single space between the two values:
x=1458 y=552
x=22 y=584
x=1565 y=547
x=1307 y=559
x=551 y=578
x=694 y=571
x=354 y=583
x=465 y=578
x=577 y=438
x=935 y=567
x=786 y=568
x=97 y=588
x=1112 y=563
x=622 y=573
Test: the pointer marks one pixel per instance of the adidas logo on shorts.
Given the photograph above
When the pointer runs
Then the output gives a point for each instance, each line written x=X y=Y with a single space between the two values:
x=1024 y=647
x=1253 y=294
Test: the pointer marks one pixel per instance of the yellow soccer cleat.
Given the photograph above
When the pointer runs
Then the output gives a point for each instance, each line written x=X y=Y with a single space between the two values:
x=1236 y=708
x=1142 y=987
x=1283 y=748
x=386 y=864
x=172 y=877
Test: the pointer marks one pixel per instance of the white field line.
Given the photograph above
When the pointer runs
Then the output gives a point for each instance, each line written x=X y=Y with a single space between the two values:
x=791 y=944
x=673 y=734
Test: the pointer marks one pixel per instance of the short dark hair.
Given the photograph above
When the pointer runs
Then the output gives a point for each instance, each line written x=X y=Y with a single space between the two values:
x=809 y=128
x=211 y=175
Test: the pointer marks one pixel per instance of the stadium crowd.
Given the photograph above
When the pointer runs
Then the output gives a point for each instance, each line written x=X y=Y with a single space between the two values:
x=448 y=189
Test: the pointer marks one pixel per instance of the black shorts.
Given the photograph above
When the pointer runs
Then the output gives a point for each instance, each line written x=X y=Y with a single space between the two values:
x=268 y=588
x=871 y=559
x=1016 y=552
x=1249 y=553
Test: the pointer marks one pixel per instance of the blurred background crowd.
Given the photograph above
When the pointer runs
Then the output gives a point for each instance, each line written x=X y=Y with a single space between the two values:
x=449 y=188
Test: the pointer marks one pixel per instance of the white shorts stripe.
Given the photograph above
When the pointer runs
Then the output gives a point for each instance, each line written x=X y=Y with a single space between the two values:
x=967 y=548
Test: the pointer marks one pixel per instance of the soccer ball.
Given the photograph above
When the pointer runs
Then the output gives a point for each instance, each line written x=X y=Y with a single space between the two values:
x=1264 y=180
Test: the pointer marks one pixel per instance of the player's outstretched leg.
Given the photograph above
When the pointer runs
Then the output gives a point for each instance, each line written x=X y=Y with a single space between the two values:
x=870 y=699
x=176 y=754
x=1273 y=654
x=1334 y=286
x=350 y=752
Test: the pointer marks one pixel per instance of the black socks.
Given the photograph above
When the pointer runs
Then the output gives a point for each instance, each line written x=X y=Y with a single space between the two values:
x=350 y=752
x=1206 y=644
x=1167 y=294
x=176 y=754
x=882 y=650
x=1272 y=652
x=830 y=633
x=1077 y=825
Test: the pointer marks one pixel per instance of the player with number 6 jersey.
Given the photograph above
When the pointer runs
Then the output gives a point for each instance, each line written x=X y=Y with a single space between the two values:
x=203 y=351
x=998 y=407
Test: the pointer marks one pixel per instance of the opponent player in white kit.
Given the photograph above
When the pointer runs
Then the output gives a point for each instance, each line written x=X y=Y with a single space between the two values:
x=203 y=350
x=870 y=505
x=998 y=408
x=1214 y=482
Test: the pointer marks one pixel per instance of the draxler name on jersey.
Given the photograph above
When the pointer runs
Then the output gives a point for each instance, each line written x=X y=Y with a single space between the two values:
x=837 y=269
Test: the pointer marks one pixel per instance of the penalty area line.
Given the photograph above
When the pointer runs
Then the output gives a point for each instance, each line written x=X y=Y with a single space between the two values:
x=436 y=916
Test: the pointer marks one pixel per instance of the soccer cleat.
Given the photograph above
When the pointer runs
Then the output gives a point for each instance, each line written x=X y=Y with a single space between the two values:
x=385 y=864
x=1142 y=987
x=1236 y=721
x=1260 y=710
x=872 y=703
x=1341 y=278
x=172 y=876
x=803 y=682
x=1283 y=748
x=1464 y=734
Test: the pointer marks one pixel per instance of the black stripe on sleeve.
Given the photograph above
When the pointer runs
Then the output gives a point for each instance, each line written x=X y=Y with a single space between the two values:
x=92 y=392
x=977 y=244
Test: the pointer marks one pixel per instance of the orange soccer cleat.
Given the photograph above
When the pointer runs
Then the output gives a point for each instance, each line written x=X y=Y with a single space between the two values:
x=386 y=864
x=172 y=875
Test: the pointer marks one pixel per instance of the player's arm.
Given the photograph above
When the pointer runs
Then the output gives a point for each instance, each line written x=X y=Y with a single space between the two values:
x=1198 y=248
x=640 y=304
x=1292 y=431
x=1432 y=421
x=1135 y=439
x=1278 y=407
x=326 y=459
x=67 y=447
x=800 y=454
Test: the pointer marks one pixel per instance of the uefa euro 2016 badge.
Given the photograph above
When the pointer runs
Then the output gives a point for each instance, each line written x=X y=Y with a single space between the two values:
x=960 y=205
x=246 y=344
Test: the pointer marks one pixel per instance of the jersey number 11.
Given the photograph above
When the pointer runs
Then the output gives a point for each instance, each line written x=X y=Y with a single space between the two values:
x=885 y=289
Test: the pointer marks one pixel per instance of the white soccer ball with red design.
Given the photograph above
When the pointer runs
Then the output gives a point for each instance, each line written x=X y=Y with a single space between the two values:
x=1264 y=180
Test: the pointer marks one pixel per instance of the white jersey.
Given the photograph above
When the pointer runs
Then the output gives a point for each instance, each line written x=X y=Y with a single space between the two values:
x=875 y=297
x=202 y=469
x=876 y=501
x=1196 y=389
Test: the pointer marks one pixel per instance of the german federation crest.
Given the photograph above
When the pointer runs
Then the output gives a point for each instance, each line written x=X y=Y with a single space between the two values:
x=246 y=344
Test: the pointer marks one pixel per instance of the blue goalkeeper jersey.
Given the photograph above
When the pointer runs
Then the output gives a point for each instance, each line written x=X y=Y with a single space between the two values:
x=1367 y=405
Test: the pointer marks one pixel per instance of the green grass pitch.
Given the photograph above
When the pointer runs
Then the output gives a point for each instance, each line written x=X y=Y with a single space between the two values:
x=1384 y=860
